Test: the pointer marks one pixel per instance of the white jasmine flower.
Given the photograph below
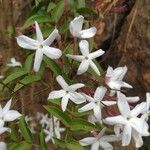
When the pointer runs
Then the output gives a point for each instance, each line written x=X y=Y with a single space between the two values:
x=132 y=99
x=96 y=103
x=67 y=92
x=3 y=146
x=76 y=29
x=132 y=126
x=114 y=78
x=1 y=76
x=86 y=58
x=44 y=121
x=13 y=63
x=100 y=140
x=40 y=45
x=7 y=115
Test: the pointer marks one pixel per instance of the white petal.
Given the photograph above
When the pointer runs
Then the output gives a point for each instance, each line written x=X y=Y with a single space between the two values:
x=100 y=93
x=38 y=60
x=123 y=105
x=96 y=54
x=87 y=141
x=3 y=146
x=51 y=52
x=132 y=99
x=7 y=106
x=138 y=109
x=106 y=145
x=39 y=35
x=94 y=67
x=12 y=115
x=88 y=98
x=4 y=129
x=148 y=100
x=76 y=86
x=115 y=85
x=126 y=85
x=109 y=103
x=88 y=33
x=2 y=123
x=84 y=47
x=117 y=129
x=110 y=138
x=97 y=112
x=115 y=120
x=64 y=102
x=51 y=37
x=95 y=146
x=77 y=98
x=62 y=82
x=109 y=71
x=27 y=43
x=87 y=107
x=76 y=57
x=126 y=136
x=56 y=94
x=76 y=25
x=83 y=67
x=102 y=132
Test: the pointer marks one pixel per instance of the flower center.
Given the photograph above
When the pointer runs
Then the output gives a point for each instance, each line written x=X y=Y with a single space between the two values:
x=86 y=57
x=129 y=117
x=41 y=46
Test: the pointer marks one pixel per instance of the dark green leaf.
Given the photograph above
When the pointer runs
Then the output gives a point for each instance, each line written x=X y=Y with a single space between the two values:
x=51 y=6
x=28 y=63
x=87 y=11
x=81 y=3
x=43 y=144
x=60 y=143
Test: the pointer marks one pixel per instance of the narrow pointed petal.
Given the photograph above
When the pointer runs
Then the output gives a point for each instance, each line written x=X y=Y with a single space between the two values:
x=51 y=37
x=115 y=120
x=77 y=98
x=126 y=137
x=117 y=129
x=12 y=115
x=76 y=86
x=27 y=43
x=100 y=93
x=105 y=145
x=38 y=60
x=3 y=129
x=123 y=105
x=94 y=67
x=3 y=146
x=39 y=35
x=64 y=102
x=56 y=94
x=76 y=57
x=87 y=141
x=148 y=100
x=109 y=71
x=51 y=52
x=126 y=85
x=109 y=103
x=62 y=82
x=95 y=146
x=88 y=98
x=97 y=112
x=84 y=47
x=132 y=99
x=100 y=135
x=2 y=123
x=87 y=107
x=110 y=138
x=96 y=54
x=7 y=106
x=88 y=33
x=83 y=67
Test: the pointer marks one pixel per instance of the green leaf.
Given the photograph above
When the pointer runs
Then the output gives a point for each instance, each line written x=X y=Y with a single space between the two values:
x=43 y=144
x=81 y=124
x=26 y=80
x=39 y=18
x=53 y=66
x=15 y=76
x=23 y=145
x=28 y=63
x=81 y=3
x=64 y=28
x=51 y=6
x=59 y=114
x=87 y=11
x=58 y=11
x=59 y=142
x=74 y=145
x=25 y=130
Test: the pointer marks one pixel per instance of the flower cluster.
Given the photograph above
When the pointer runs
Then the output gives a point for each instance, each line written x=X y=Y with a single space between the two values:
x=130 y=123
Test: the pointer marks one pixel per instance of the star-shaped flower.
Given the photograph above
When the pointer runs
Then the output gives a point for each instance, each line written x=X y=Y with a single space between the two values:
x=40 y=45
x=100 y=140
x=129 y=120
x=114 y=78
x=3 y=146
x=13 y=63
x=76 y=29
x=7 y=115
x=67 y=92
x=96 y=103
x=86 y=58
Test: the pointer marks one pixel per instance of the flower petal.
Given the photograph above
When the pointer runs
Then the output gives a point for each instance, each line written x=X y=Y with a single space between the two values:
x=132 y=99
x=94 y=67
x=62 y=82
x=109 y=71
x=88 y=33
x=51 y=37
x=84 y=47
x=64 y=102
x=109 y=103
x=87 y=141
x=11 y=115
x=115 y=120
x=100 y=93
x=77 y=98
x=39 y=35
x=7 y=107
x=76 y=86
x=110 y=138
x=97 y=112
x=95 y=146
x=51 y=52
x=126 y=136
x=56 y=94
x=102 y=132
x=38 y=60
x=4 y=129
x=96 y=54
x=106 y=145
x=87 y=107
x=83 y=67
x=88 y=98
x=76 y=57
x=3 y=146
x=27 y=43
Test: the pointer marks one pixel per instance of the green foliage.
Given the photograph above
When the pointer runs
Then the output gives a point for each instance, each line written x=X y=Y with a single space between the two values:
x=43 y=144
